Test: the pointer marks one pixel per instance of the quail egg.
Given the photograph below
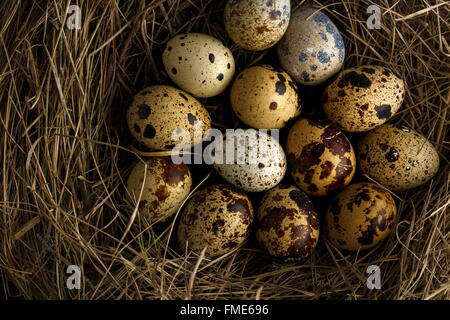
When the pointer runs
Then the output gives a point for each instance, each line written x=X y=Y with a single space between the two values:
x=218 y=217
x=265 y=98
x=199 y=64
x=256 y=25
x=398 y=158
x=320 y=157
x=364 y=97
x=288 y=226
x=312 y=49
x=250 y=160
x=160 y=113
x=164 y=186
x=360 y=217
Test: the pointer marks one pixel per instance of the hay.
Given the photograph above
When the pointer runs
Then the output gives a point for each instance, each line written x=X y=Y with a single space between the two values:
x=66 y=151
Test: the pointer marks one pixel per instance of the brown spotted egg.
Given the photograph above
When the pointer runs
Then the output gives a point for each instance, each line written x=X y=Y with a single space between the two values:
x=312 y=49
x=397 y=157
x=265 y=98
x=256 y=25
x=218 y=217
x=160 y=117
x=199 y=64
x=360 y=217
x=364 y=97
x=320 y=157
x=164 y=187
x=288 y=226
x=250 y=160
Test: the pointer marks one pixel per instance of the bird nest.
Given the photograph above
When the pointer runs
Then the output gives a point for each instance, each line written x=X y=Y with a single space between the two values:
x=66 y=152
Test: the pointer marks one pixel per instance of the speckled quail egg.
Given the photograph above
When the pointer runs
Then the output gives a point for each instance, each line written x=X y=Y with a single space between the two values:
x=250 y=160
x=398 y=158
x=288 y=226
x=312 y=49
x=320 y=157
x=360 y=217
x=199 y=64
x=265 y=98
x=218 y=217
x=159 y=115
x=256 y=25
x=164 y=186
x=364 y=97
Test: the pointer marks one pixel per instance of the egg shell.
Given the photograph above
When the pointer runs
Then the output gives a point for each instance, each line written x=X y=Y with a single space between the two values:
x=219 y=217
x=256 y=25
x=157 y=112
x=399 y=158
x=199 y=64
x=320 y=157
x=364 y=97
x=265 y=98
x=164 y=186
x=288 y=226
x=257 y=163
x=312 y=49
x=360 y=217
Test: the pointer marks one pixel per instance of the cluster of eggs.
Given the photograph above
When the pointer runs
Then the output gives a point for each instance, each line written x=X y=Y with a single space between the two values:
x=318 y=155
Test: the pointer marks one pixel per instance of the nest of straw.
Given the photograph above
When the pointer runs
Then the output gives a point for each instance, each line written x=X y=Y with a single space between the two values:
x=66 y=151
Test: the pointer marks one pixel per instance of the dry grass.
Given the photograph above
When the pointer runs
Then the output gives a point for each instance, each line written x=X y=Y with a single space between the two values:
x=65 y=153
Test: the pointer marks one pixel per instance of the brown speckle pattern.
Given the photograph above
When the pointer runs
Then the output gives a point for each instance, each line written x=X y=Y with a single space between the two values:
x=199 y=64
x=320 y=157
x=360 y=217
x=396 y=158
x=165 y=187
x=256 y=25
x=288 y=226
x=158 y=111
x=219 y=217
x=265 y=98
x=362 y=98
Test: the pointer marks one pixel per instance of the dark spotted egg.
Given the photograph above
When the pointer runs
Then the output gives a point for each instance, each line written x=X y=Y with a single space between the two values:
x=320 y=157
x=360 y=217
x=164 y=187
x=218 y=217
x=399 y=158
x=256 y=25
x=312 y=49
x=199 y=64
x=288 y=226
x=265 y=98
x=364 y=97
x=160 y=117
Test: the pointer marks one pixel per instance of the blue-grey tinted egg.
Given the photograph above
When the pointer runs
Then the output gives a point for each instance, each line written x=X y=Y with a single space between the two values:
x=312 y=49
